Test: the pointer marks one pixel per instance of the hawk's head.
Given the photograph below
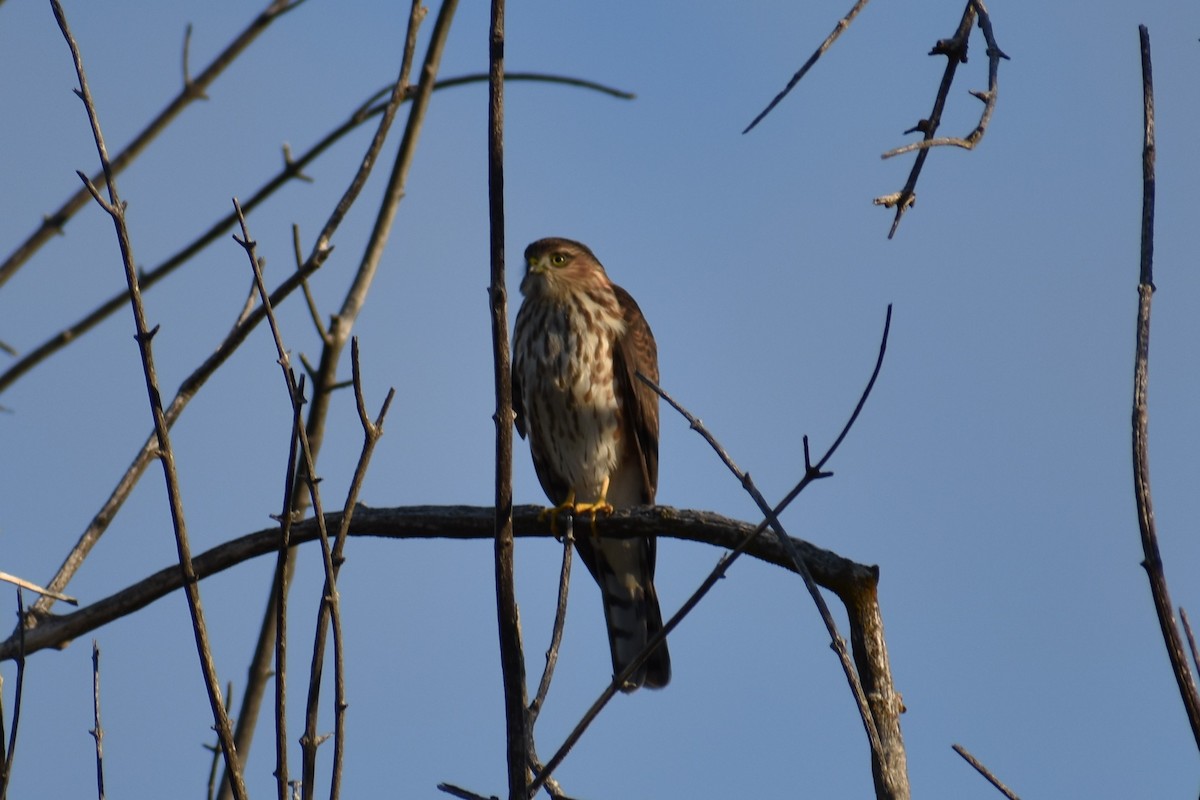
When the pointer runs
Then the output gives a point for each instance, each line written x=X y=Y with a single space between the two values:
x=556 y=266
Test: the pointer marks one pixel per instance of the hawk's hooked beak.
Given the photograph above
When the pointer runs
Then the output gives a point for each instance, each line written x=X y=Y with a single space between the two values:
x=538 y=265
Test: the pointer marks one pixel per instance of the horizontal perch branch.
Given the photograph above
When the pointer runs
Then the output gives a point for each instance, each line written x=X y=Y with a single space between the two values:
x=845 y=578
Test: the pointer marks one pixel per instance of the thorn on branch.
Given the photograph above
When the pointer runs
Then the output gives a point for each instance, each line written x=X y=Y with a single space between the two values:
x=55 y=223
x=953 y=48
x=921 y=127
x=148 y=336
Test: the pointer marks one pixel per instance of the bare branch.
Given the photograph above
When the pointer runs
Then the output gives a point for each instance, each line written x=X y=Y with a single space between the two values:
x=512 y=656
x=955 y=50
x=324 y=378
x=165 y=454
x=842 y=24
x=839 y=575
x=33 y=587
x=97 y=731
x=216 y=748
x=1191 y=637
x=556 y=632
x=1152 y=562
x=464 y=794
x=8 y=749
x=985 y=772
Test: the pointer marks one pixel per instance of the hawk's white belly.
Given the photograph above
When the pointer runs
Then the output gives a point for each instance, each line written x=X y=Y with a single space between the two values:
x=571 y=403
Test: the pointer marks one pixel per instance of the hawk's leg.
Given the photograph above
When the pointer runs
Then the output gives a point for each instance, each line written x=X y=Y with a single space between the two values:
x=596 y=508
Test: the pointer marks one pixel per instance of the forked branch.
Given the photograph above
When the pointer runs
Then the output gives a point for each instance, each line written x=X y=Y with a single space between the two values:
x=955 y=51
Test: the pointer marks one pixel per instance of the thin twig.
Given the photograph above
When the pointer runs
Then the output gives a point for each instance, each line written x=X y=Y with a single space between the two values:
x=53 y=223
x=116 y=210
x=97 y=731
x=10 y=749
x=1141 y=460
x=985 y=772
x=841 y=26
x=300 y=448
x=552 y=787
x=464 y=794
x=560 y=620
x=1191 y=637
x=216 y=748
x=282 y=559
x=330 y=612
x=812 y=472
x=33 y=587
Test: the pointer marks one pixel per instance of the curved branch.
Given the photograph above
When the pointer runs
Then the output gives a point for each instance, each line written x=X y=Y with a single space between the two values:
x=840 y=575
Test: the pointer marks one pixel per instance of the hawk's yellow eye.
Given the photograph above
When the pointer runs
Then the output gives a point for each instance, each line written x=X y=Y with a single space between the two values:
x=558 y=259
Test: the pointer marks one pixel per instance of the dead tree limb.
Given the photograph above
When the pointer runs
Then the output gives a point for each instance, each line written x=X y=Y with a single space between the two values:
x=955 y=51
x=1141 y=462
x=829 y=570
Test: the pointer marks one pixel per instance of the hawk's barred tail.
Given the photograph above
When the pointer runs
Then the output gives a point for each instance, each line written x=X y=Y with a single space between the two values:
x=633 y=616
x=658 y=665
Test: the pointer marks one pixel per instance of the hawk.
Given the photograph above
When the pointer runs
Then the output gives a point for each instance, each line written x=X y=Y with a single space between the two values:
x=579 y=342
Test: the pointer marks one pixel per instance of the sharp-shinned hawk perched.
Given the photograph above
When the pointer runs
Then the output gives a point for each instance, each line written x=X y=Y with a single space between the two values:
x=580 y=341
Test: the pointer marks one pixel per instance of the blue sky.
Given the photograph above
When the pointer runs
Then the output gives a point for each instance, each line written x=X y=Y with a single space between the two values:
x=988 y=478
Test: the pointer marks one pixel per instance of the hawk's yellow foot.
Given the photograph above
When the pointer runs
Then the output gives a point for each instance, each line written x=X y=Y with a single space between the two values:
x=600 y=506
x=552 y=513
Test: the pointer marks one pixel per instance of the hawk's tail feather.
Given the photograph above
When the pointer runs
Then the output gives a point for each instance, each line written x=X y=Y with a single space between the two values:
x=658 y=664
x=634 y=617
